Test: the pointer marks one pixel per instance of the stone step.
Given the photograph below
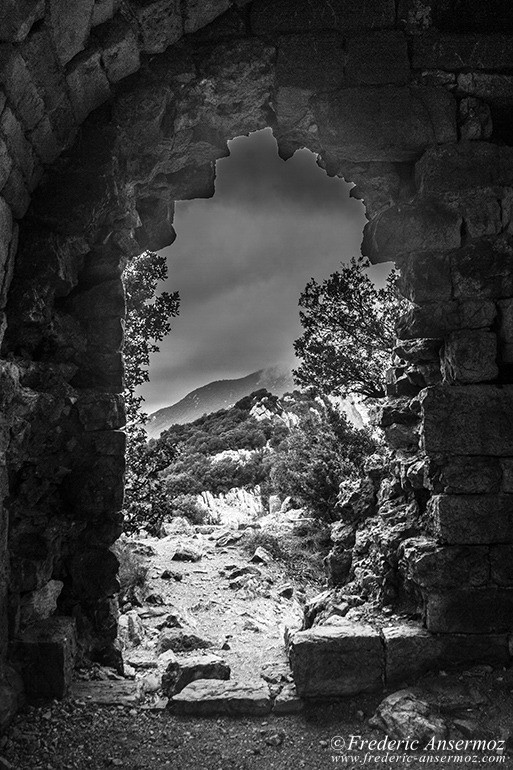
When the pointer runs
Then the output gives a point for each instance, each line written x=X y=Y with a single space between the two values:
x=126 y=693
x=350 y=658
x=207 y=697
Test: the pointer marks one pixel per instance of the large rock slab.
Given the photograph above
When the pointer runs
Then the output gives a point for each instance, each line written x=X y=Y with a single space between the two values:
x=181 y=672
x=337 y=660
x=107 y=693
x=206 y=697
x=181 y=640
x=470 y=420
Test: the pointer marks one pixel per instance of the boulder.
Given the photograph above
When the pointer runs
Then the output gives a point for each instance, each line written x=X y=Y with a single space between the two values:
x=405 y=715
x=186 y=552
x=228 y=537
x=207 y=697
x=181 y=672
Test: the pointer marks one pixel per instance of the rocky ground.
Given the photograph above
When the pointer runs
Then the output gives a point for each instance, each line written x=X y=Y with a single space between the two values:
x=204 y=597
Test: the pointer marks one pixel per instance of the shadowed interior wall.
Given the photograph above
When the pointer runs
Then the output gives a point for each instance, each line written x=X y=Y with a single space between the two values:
x=109 y=112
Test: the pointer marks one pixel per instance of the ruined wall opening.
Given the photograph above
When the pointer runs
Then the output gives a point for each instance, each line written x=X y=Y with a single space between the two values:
x=394 y=102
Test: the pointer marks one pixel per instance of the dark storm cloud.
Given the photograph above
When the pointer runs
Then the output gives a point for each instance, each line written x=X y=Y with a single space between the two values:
x=242 y=258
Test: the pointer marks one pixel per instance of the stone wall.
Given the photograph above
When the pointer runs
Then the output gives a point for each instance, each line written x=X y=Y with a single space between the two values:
x=109 y=112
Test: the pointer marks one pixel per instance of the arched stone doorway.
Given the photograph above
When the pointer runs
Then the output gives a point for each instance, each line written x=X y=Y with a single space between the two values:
x=393 y=101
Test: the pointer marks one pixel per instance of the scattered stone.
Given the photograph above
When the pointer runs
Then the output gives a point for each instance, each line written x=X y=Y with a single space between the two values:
x=177 y=526
x=186 y=552
x=275 y=673
x=155 y=599
x=181 y=672
x=180 y=640
x=206 y=697
x=239 y=582
x=248 y=570
x=170 y=574
x=261 y=556
x=467 y=727
x=404 y=715
x=287 y=591
x=275 y=740
x=227 y=537
x=287 y=701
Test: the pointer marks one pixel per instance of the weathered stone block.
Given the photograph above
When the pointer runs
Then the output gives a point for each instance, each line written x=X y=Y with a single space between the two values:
x=11 y=695
x=159 y=22
x=470 y=611
x=470 y=356
x=17 y=17
x=506 y=331
x=19 y=148
x=507 y=474
x=483 y=270
x=494 y=89
x=462 y=52
x=463 y=166
x=268 y=17
x=471 y=519
x=410 y=651
x=501 y=565
x=94 y=574
x=419 y=350
x=456 y=475
x=16 y=193
x=470 y=420
x=19 y=87
x=181 y=672
x=120 y=54
x=381 y=123
x=433 y=567
x=377 y=58
x=39 y=604
x=337 y=660
x=88 y=84
x=70 y=22
x=426 y=277
x=208 y=696
x=441 y=318
x=44 y=141
x=47 y=653
x=475 y=119
x=199 y=13
x=404 y=230
x=101 y=411
x=103 y=10
x=313 y=61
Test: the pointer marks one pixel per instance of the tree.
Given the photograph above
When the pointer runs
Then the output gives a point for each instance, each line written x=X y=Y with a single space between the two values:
x=349 y=332
x=318 y=454
x=147 y=322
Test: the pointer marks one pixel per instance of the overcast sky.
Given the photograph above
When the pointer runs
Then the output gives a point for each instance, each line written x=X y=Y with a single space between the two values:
x=240 y=261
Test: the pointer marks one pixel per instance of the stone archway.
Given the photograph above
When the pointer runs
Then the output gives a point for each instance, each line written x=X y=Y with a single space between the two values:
x=395 y=102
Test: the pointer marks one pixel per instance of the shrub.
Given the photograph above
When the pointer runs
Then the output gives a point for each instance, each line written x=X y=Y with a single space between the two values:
x=133 y=571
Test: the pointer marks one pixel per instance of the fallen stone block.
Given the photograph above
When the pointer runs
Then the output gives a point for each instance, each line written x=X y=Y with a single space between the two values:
x=181 y=672
x=337 y=660
x=47 y=652
x=206 y=697
x=410 y=651
x=261 y=556
x=107 y=693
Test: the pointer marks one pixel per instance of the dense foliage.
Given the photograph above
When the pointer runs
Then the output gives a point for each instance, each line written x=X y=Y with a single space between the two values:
x=301 y=447
x=349 y=332
x=323 y=450
x=147 y=322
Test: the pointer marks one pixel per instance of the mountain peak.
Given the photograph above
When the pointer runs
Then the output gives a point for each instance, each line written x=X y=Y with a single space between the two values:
x=219 y=394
